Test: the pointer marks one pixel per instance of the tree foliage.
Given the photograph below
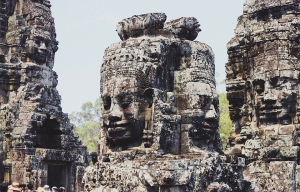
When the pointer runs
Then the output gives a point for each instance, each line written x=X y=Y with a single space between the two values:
x=225 y=121
x=87 y=124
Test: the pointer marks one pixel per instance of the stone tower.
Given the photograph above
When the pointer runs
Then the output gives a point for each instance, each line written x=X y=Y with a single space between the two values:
x=37 y=142
x=160 y=112
x=263 y=92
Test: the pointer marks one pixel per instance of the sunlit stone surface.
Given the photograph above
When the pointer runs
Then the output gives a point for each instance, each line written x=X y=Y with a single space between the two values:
x=37 y=142
x=160 y=112
x=263 y=93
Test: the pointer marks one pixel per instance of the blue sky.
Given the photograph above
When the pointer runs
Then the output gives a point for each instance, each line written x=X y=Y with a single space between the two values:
x=85 y=28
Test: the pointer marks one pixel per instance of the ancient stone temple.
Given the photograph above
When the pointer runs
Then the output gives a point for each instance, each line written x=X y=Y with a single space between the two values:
x=160 y=112
x=37 y=144
x=263 y=91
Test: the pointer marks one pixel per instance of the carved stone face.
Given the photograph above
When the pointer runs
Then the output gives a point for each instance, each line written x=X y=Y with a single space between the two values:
x=275 y=100
x=200 y=112
x=37 y=47
x=205 y=124
x=123 y=110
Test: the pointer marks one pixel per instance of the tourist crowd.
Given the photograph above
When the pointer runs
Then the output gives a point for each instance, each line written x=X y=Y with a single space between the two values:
x=14 y=187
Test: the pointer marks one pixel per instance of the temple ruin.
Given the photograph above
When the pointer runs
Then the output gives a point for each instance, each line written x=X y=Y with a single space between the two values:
x=37 y=142
x=160 y=112
x=263 y=92
x=160 y=107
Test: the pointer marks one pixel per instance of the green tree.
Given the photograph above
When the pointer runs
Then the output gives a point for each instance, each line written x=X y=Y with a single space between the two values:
x=87 y=123
x=225 y=121
x=88 y=133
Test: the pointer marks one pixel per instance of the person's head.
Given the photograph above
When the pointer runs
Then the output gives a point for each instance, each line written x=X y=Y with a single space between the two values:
x=22 y=186
x=15 y=187
x=30 y=186
x=4 y=186
x=46 y=188
x=54 y=188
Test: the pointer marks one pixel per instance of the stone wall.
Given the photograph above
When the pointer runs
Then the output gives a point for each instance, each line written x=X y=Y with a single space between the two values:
x=36 y=136
x=263 y=92
x=160 y=112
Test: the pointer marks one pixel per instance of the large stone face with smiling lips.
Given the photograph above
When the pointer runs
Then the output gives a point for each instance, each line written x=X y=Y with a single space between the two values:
x=166 y=77
x=124 y=110
x=160 y=112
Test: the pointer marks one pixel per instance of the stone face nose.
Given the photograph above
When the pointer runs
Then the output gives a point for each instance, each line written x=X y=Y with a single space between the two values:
x=270 y=95
x=115 y=114
x=43 y=47
x=211 y=114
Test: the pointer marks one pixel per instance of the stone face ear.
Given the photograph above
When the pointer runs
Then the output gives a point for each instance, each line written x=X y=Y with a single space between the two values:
x=148 y=95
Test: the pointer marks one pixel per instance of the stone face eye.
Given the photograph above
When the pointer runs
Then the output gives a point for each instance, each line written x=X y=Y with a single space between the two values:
x=124 y=100
x=259 y=86
x=47 y=43
x=38 y=42
x=106 y=102
x=274 y=81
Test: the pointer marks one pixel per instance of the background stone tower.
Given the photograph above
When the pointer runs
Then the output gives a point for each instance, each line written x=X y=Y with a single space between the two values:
x=37 y=142
x=263 y=93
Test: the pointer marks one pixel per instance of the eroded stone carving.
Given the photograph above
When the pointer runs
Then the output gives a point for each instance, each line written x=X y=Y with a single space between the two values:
x=184 y=28
x=263 y=93
x=139 y=25
x=37 y=142
x=160 y=112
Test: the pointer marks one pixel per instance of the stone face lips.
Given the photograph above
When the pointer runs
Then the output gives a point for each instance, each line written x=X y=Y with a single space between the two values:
x=168 y=69
x=263 y=93
x=35 y=133
x=160 y=112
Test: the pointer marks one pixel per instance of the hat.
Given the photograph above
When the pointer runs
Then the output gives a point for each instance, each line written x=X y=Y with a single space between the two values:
x=14 y=187
x=47 y=188
x=40 y=189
